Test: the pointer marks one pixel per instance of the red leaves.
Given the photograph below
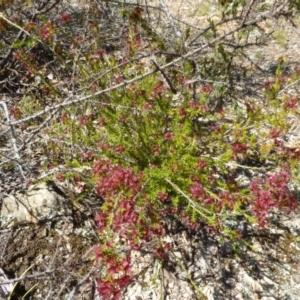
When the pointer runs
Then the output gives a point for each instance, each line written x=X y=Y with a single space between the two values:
x=163 y=197
x=275 y=133
x=30 y=26
x=207 y=89
x=47 y=30
x=112 y=290
x=169 y=136
x=112 y=179
x=201 y=164
x=15 y=112
x=290 y=103
x=158 y=90
x=239 y=148
x=121 y=186
x=197 y=191
x=162 y=251
x=60 y=177
x=85 y=120
x=118 y=273
x=271 y=192
x=65 y=18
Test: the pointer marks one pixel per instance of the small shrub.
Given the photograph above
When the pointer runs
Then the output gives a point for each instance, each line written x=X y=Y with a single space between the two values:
x=159 y=142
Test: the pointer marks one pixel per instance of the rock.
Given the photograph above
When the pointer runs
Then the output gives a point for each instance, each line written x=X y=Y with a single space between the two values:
x=40 y=204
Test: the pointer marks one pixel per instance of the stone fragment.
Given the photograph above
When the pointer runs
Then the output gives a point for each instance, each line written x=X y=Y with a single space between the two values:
x=41 y=203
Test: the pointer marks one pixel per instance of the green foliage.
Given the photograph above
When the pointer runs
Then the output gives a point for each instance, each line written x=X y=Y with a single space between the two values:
x=143 y=128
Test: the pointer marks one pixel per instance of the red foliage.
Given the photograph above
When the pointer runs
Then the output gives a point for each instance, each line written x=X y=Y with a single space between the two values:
x=169 y=136
x=239 y=148
x=47 y=30
x=65 y=18
x=114 y=179
x=158 y=90
x=60 y=177
x=290 y=103
x=271 y=192
x=206 y=89
x=116 y=183
x=30 y=26
x=197 y=191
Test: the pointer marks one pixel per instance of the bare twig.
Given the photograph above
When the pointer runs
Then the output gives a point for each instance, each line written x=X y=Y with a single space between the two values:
x=166 y=10
x=12 y=129
x=5 y=288
x=165 y=77
x=13 y=137
x=80 y=283
x=199 y=209
x=33 y=276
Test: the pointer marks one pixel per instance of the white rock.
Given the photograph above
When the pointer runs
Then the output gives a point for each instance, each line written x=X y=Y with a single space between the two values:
x=39 y=204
